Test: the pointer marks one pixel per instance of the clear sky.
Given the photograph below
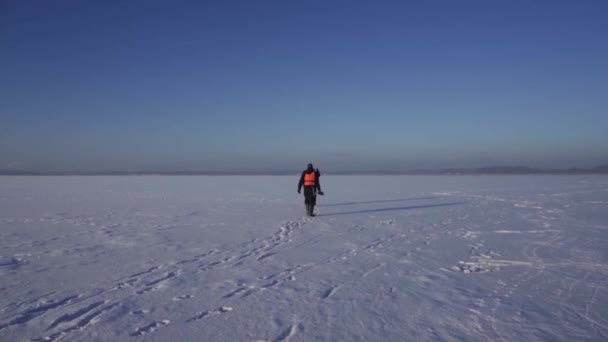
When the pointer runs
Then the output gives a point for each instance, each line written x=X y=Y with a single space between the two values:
x=273 y=85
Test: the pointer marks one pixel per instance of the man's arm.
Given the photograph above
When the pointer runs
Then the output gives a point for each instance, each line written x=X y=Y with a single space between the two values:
x=301 y=182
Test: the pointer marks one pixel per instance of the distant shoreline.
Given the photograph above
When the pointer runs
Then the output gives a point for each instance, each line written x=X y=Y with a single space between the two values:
x=292 y=174
x=485 y=171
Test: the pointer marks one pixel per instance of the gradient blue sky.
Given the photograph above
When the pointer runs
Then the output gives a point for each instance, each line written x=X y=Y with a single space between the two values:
x=267 y=85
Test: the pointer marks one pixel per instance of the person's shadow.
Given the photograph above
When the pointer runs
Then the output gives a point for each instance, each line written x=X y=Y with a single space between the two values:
x=377 y=201
x=366 y=211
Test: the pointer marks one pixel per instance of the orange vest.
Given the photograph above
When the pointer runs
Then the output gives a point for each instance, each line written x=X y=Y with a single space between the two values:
x=310 y=179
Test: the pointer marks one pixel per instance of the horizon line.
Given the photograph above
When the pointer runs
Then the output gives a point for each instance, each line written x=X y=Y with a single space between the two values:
x=601 y=169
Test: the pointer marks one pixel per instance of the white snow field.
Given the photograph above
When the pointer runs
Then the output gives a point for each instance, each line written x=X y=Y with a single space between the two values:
x=388 y=258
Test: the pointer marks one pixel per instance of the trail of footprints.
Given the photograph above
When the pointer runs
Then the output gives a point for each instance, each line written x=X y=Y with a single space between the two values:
x=273 y=280
x=82 y=322
x=77 y=312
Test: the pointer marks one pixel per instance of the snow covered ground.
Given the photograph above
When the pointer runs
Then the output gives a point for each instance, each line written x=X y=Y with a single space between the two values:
x=504 y=258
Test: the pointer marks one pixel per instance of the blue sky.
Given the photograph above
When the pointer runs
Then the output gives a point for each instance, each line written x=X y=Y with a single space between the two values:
x=273 y=85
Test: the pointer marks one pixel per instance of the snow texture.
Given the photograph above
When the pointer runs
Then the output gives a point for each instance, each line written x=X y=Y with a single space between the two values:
x=387 y=258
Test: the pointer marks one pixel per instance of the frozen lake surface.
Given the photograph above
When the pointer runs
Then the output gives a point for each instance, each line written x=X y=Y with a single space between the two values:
x=388 y=258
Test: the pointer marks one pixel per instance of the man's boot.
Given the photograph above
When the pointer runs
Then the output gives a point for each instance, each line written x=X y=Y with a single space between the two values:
x=308 y=210
x=312 y=210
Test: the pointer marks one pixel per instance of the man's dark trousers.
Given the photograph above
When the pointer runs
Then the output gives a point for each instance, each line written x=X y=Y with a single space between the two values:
x=310 y=199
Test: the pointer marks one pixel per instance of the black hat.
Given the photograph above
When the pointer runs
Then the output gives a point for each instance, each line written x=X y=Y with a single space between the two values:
x=309 y=165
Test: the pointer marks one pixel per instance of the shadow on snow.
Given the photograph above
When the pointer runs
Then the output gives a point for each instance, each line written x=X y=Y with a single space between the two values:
x=392 y=209
x=378 y=201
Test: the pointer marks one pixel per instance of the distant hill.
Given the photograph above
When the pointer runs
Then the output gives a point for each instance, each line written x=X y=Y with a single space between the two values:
x=18 y=172
x=514 y=170
x=601 y=168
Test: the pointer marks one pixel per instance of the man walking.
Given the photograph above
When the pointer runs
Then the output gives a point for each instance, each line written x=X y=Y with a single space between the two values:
x=310 y=181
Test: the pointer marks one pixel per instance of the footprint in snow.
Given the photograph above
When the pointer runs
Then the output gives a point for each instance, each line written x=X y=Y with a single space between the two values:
x=150 y=328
